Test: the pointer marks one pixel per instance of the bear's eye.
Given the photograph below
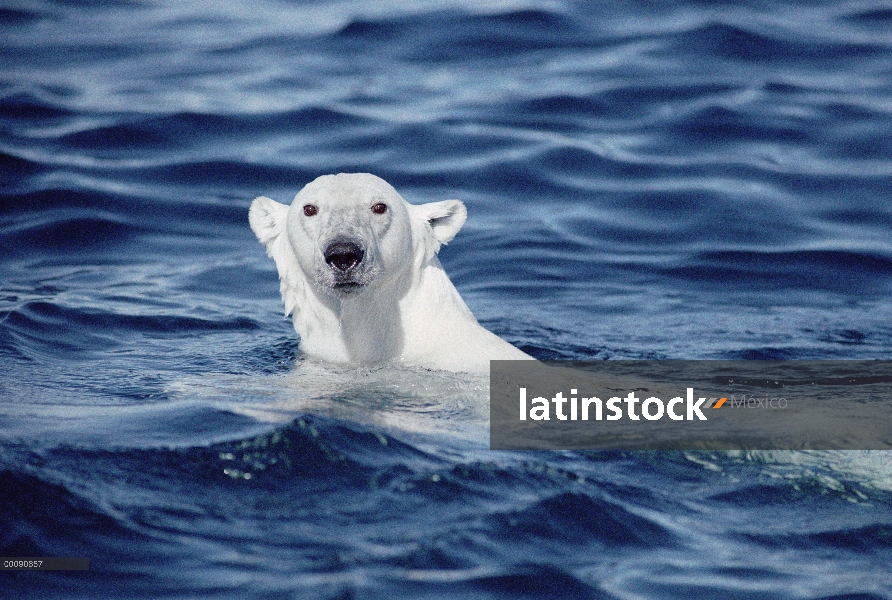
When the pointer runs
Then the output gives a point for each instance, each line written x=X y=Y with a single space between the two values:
x=310 y=209
x=379 y=209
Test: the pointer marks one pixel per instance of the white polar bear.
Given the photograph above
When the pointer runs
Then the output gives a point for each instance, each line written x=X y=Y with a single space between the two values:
x=360 y=276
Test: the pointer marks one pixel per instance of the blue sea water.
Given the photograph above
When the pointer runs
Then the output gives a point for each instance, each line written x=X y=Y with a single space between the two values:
x=675 y=179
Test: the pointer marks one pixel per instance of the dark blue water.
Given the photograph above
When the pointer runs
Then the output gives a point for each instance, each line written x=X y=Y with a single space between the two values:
x=644 y=180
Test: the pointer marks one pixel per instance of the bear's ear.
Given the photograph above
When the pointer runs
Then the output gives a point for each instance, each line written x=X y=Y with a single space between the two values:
x=267 y=219
x=445 y=218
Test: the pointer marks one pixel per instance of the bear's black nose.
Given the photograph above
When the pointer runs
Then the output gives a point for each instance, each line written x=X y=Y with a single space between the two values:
x=343 y=255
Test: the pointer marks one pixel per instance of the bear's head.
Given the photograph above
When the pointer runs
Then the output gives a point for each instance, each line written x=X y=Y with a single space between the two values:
x=346 y=234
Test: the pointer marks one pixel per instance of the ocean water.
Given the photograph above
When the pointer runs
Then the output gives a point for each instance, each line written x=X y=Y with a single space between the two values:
x=677 y=179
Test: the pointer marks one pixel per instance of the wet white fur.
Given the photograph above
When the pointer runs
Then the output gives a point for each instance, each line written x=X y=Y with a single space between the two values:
x=407 y=310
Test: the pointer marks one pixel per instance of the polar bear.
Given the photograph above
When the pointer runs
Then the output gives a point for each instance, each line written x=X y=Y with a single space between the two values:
x=359 y=274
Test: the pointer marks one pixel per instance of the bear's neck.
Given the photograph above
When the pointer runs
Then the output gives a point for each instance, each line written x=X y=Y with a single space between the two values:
x=389 y=322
